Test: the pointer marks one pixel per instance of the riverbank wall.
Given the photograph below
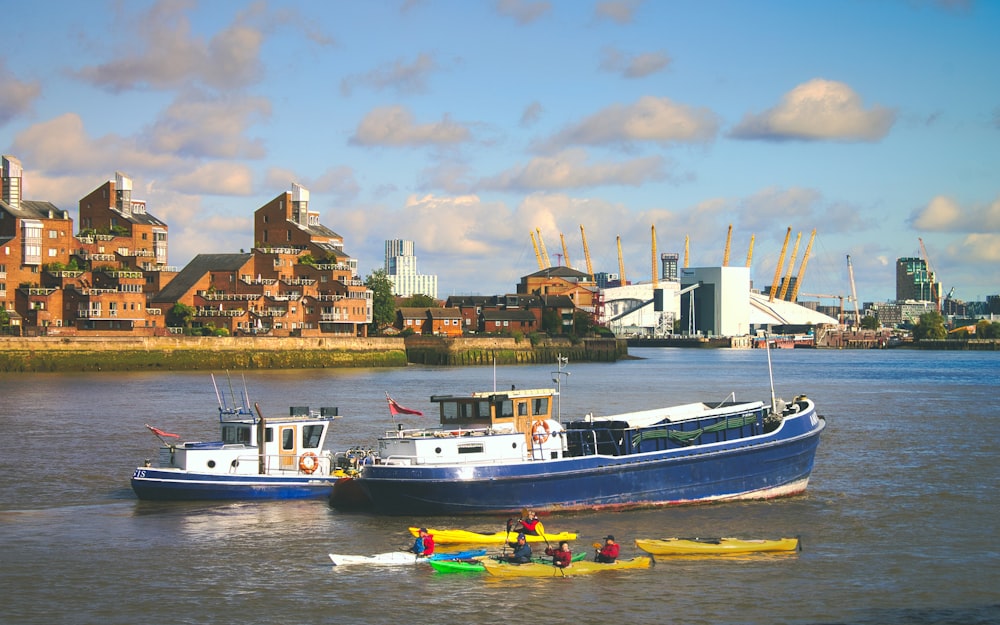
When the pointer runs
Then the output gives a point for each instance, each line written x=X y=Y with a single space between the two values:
x=67 y=354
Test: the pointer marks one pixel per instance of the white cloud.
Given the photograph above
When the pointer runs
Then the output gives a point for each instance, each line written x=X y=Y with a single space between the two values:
x=650 y=119
x=202 y=126
x=395 y=126
x=944 y=214
x=571 y=169
x=620 y=11
x=638 y=66
x=215 y=178
x=522 y=11
x=818 y=110
x=16 y=96
x=400 y=76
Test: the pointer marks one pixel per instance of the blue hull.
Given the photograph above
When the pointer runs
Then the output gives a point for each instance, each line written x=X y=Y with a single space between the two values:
x=761 y=467
x=159 y=485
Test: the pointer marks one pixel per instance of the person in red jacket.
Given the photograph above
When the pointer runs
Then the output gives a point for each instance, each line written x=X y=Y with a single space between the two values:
x=424 y=544
x=561 y=557
x=529 y=525
x=609 y=552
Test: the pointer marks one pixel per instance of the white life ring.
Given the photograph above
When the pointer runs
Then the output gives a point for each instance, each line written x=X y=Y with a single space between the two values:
x=540 y=432
x=308 y=462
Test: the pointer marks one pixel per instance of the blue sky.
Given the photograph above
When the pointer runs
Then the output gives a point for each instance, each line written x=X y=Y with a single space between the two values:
x=465 y=126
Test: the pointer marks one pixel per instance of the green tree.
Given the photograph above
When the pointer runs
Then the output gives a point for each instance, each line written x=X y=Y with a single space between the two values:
x=180 y=316
x=383 y=303
x=583 y=323
x=987 y=330
x=419 y=301
x=869 y=322
x=930 y=326
x=552 y=322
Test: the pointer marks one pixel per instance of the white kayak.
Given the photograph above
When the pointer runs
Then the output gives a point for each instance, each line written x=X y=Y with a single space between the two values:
x=396 y=558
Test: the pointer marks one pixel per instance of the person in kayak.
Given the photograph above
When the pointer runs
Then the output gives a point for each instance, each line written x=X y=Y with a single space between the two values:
x=609 y=552
x=521 y=553
x=531 y=525
x=561 y=557
x=424 y=543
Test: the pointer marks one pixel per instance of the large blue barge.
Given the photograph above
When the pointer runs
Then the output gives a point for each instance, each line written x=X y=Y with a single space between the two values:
x=500 y=451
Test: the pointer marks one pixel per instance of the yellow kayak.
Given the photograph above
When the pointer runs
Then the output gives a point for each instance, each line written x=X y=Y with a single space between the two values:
x=713 y=546
x=463 y=537
x=536 y=569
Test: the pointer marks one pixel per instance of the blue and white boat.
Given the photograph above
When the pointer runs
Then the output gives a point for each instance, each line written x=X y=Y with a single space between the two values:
x=502 y=450
x=290 y=464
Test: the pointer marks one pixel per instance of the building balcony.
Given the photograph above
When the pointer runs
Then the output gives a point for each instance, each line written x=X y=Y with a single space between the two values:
x=214 y=312
x=228 y=297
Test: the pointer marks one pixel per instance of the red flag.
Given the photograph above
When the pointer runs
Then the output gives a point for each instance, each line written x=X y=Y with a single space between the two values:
x=395 y=409
x=160 y=432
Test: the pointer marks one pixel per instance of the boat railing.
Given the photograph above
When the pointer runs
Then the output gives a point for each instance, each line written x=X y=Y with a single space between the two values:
x=287 y=464
x=450 y=433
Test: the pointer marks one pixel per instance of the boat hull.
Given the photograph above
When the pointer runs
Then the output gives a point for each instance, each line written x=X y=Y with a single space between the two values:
x=714 y=546
x=172 y=485
x=772 y=465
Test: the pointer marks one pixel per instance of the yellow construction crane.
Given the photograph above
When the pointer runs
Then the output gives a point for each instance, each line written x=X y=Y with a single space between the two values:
x=656 y=276
x=538 y=255
x=778 y=267
x=791 y=265
x=586 y=253
x=802 y=267
x=545 y=254
x=565 y=252
x=621 y=263
x=725 y=253
x=750 y=251
x=686 y=250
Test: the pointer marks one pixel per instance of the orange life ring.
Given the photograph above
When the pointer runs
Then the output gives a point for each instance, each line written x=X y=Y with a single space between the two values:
x=308 y=462
x=540 y=432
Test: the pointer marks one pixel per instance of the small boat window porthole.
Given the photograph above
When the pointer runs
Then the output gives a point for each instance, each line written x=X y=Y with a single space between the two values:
x=211 y=464
x=437 y=450
x=234 y=463
x=513 y=445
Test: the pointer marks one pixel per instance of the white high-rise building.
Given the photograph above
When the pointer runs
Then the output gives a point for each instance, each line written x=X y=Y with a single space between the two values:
x=401 y=269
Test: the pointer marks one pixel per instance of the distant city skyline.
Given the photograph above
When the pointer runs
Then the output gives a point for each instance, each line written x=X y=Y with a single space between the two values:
x=463 y=127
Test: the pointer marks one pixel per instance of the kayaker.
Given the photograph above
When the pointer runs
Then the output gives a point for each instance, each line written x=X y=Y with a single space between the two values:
x=521 y=553
x=609 y=552
x=561 y=557
x=529 y=525
x=424 y=543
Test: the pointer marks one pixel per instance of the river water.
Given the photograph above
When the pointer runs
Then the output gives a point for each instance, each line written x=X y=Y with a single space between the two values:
x=899 y=524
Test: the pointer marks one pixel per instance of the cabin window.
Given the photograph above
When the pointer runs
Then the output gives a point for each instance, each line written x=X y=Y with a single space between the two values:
x=288 y=438
x=236 y=434
x=506 y=408
x=311 y=435
x=471 y=449
x=540 y=406
x=522 y=408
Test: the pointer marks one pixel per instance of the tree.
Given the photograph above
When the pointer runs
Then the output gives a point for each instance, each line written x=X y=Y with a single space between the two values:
x=930 y=326
x=869 y=322
x=987 y=330
x=420 y=301
x=551 y=322
x=383 y=303
x=180 y=316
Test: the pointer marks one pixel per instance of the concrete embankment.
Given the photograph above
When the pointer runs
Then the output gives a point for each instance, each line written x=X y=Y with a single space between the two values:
x=40 y=354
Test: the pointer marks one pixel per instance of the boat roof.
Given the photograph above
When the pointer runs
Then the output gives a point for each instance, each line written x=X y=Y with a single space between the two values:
x=645 y=418
x=513 y=393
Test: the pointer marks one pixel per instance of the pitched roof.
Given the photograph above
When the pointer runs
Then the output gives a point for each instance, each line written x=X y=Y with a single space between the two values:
x=560 y=272
x=194 y=270
x=33 y=209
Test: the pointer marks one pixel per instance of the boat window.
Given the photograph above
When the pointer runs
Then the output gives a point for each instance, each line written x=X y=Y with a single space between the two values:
x=311 y=435
x=483 y=409
x=522 y=408
x=288 y=438
x=461 y=411
x=471 y=449
x=506 y=408
x=540 y=406
x=236 y=434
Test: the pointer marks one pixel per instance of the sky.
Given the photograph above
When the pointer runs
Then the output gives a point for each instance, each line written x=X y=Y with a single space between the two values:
x=466 y=126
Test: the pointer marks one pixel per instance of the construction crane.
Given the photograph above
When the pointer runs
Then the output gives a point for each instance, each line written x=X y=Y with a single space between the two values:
x=621 y=263
x=840 y=318
x=586 y=252
x=750 y=251
x=854 y=293
x=791 y=265
x=565 y=251
x=802 y=267
x=725 y=253
x=538 y=255
x=545 y=254
x=656 y=274
x=687 y=250
x=781 y=263
x=930 y=275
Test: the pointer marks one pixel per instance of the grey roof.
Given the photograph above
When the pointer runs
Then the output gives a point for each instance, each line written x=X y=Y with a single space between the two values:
x=516 y=314
x=194 y=270
x=33 y=209
x=560 y=272
x=142 y=218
